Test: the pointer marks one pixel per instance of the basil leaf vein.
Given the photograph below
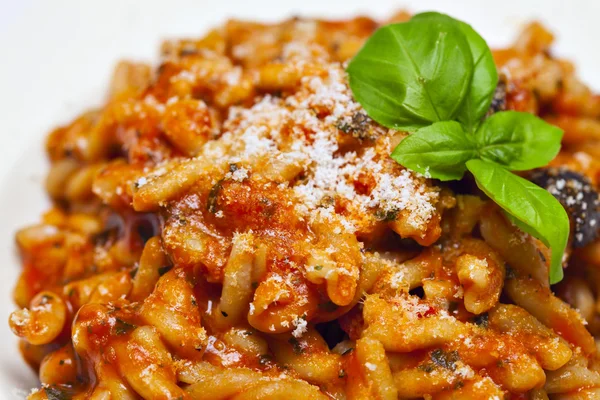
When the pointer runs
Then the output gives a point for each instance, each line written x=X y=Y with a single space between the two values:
x=484 y=82
x=534 y=209
x=485 y=76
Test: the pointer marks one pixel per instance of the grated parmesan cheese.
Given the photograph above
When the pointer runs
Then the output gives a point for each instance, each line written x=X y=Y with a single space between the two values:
x=464 y=371
x=301 y=327
x=371 y=366
x=329 y=173
x=141 y=182
x=238 y=175
x=397 y=280
x=301 y=132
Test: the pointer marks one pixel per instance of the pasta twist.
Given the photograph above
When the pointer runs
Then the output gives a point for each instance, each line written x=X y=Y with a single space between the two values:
x=230 y=225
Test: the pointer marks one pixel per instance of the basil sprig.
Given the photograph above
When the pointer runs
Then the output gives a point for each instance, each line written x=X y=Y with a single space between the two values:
x=435 y=76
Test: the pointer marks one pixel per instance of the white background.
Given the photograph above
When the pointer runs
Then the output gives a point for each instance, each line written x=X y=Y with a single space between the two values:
x=56 y=57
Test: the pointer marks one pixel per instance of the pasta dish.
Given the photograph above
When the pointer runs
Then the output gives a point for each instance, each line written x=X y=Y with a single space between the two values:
x=230 y=225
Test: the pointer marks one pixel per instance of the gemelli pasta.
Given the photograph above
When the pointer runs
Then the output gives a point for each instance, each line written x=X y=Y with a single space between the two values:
x=229 y=225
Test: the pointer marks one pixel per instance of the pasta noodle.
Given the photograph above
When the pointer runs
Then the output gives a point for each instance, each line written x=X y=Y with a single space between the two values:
x=230 y=225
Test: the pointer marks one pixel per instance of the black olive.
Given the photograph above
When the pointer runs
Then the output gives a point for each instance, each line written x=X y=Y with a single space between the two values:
x=358 y=126
x=499 y=99
x=577 y=195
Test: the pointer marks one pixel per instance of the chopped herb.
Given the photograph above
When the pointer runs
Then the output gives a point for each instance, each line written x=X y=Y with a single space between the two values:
x=213 y=197
x=445 y=359
x=386 y=215
x=269 y=208
x=298 y=349
x=122 y=327
x=459 y=385
x=233 y=167
x=341 y=373
x=326 y=201
x=194 y=302
x=358 y=126
x=343 y=126
x=61 y=362
x=318 y=267
x=55 y=392
x=224 y=314
x=427 y=367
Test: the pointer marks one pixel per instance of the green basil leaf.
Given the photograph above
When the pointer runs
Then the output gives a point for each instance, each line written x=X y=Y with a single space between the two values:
x=57 y=392
x=518 y=140
x=534 y=209
x=484 y=82
x=439 y=151
x=485 y=76
x=412 y=74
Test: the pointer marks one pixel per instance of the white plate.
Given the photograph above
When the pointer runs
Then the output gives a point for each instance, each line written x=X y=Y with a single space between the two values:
x=57 y=56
